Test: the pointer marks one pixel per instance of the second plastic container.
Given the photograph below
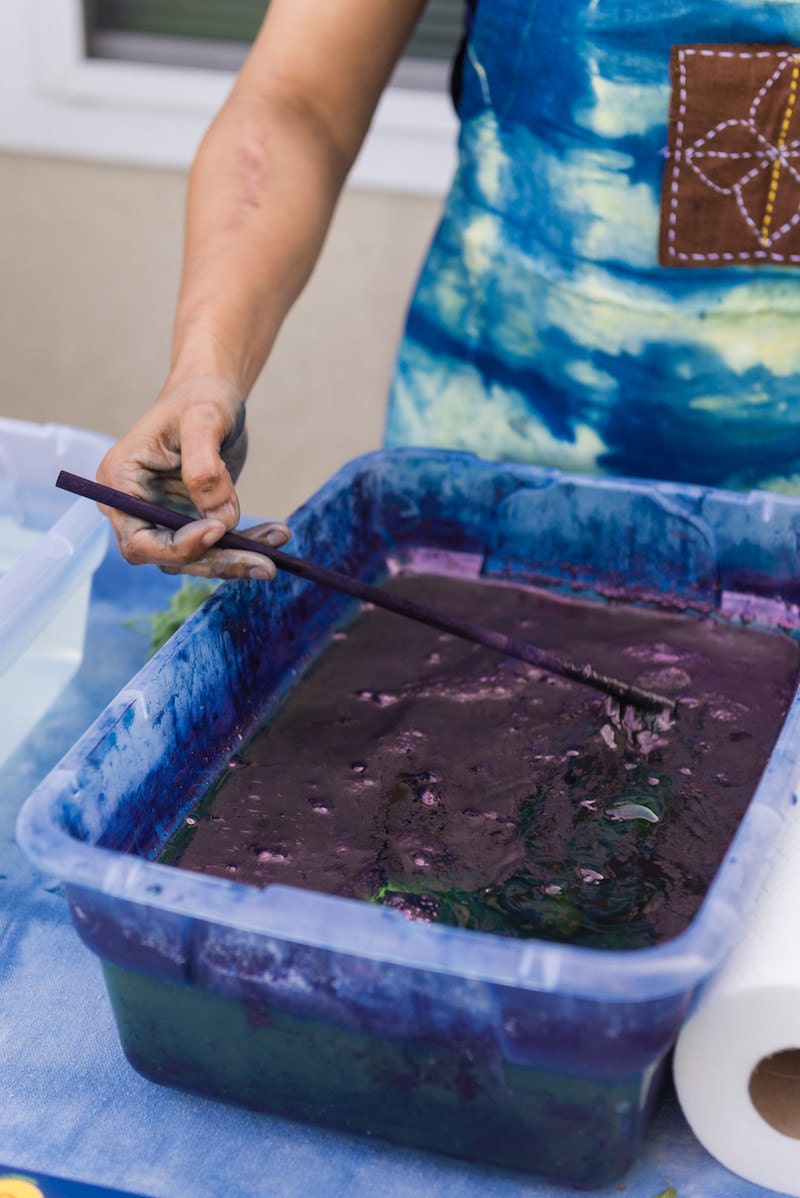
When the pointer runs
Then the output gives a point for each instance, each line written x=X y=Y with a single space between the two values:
x=50 y=546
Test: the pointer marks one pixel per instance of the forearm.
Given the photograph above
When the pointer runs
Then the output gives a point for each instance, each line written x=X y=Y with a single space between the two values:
x=260 y=199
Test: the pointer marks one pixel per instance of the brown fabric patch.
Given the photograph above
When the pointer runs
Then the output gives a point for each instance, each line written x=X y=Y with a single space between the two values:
x=731 y=190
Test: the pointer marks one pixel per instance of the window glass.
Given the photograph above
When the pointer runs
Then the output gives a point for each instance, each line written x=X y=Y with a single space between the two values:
x=215 y=33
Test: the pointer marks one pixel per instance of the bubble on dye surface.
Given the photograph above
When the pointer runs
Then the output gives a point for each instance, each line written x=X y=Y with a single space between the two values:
x=358 y=767
x=429 y=797
x=647 y=740
x=405 y=742
x=590 y=877
x=671 y=678
x=553 y=889
x=663 y=653
x=534 y=673
x=380 y=698
x=729 y=713
x=191 y=822
x=273 y=856
x=467 y=690
x=659 y=651
x=607 y=733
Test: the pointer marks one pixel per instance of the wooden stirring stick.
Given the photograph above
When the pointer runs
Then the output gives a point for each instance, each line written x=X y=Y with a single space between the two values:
x=498 y=641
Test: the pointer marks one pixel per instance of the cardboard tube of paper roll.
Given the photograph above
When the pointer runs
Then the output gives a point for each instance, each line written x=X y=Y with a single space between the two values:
x=737 y=1059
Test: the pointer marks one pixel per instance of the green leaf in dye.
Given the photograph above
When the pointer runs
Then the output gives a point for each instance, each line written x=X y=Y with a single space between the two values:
x=629 y=810
x=185 y=601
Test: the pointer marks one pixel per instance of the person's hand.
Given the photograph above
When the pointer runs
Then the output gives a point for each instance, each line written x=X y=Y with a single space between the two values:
x=186 y=452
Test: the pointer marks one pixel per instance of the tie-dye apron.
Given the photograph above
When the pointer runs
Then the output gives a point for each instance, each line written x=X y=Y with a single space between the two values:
x=614 y=286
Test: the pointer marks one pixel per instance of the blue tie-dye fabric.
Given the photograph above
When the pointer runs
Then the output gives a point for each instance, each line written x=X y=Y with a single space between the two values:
x=542 y=329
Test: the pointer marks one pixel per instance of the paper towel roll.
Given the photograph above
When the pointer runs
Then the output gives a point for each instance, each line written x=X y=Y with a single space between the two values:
x=737 y=1059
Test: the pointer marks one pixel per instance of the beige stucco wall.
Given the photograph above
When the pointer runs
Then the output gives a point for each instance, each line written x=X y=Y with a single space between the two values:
x=89 y=262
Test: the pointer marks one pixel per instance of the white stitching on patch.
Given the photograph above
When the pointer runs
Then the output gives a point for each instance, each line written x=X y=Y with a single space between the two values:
x=763 y=159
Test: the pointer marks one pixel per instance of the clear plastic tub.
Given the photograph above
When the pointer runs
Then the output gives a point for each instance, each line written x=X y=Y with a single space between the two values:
x=539 y=1056
x=50 y=545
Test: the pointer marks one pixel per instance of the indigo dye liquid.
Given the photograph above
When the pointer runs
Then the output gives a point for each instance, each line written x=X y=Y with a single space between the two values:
x=412 y=769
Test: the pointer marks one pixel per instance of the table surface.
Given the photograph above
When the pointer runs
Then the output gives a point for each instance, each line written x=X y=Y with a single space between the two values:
x=71 y=1105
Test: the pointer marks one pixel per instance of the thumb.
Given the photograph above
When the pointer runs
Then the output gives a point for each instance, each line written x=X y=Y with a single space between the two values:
x=208 y=484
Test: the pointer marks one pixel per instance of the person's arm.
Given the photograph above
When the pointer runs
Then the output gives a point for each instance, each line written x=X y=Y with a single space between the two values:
x=261 y=195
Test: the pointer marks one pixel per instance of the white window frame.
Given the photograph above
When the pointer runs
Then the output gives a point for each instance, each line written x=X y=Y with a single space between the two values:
x=54 y=100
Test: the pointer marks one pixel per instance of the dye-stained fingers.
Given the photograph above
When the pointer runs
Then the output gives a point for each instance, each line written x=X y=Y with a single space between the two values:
x=142 y=543
x=184 y=453
x=225 y=563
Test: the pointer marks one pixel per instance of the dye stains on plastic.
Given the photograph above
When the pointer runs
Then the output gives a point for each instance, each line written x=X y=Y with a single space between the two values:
x=416 y=771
